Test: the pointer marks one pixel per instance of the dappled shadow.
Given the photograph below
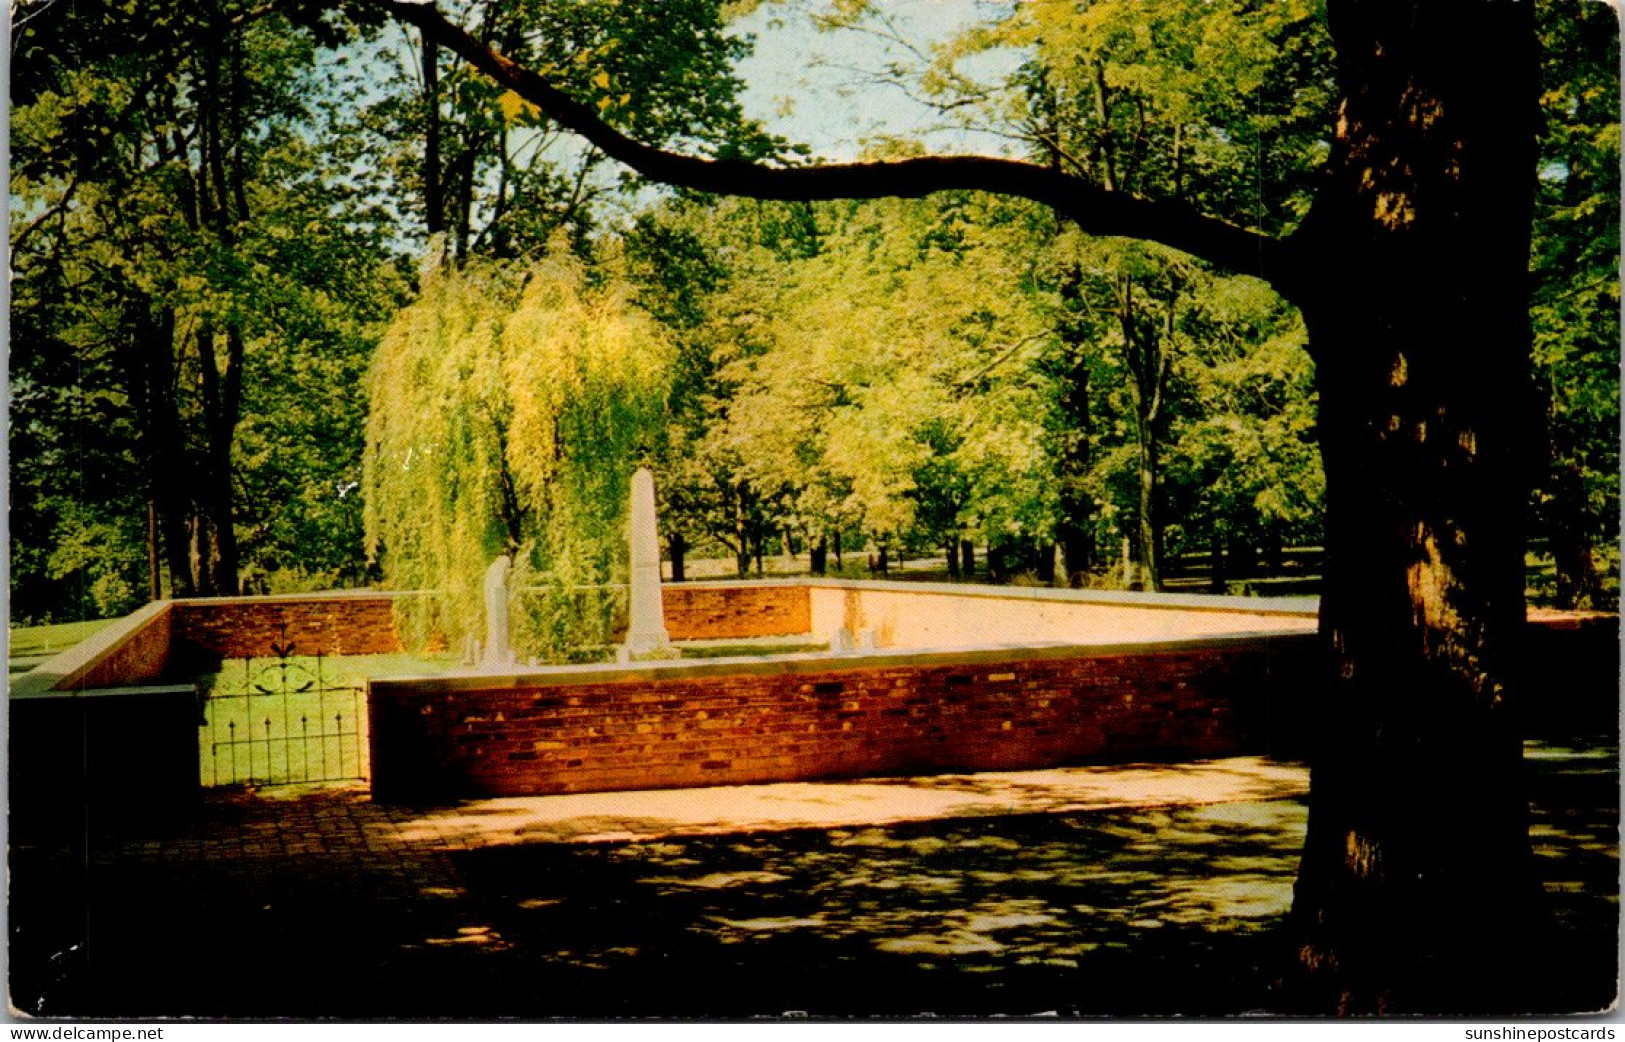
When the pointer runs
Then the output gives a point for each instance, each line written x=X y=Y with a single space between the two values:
x=331 y=906
x=1154 y=912
x=1574 y=830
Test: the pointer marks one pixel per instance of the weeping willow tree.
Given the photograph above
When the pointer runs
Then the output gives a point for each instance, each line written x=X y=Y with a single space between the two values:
x=508 y=407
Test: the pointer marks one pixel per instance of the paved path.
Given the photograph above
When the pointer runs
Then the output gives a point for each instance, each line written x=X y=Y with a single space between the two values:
x=623 y=816
x=1099 y=891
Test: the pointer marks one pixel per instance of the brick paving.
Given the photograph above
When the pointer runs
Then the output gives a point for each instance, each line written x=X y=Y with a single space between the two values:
x=962 y=892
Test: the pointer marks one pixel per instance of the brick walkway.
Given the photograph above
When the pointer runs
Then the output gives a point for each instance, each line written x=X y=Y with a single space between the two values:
x=986 y=893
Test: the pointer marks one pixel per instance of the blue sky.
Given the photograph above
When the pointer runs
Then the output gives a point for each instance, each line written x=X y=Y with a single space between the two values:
x=830 y=107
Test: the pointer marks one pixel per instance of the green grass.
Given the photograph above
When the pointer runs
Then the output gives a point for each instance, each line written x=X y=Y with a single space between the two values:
x=37 y=641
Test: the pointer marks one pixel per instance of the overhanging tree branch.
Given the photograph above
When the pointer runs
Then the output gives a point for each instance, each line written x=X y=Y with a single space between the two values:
x=1095 y=210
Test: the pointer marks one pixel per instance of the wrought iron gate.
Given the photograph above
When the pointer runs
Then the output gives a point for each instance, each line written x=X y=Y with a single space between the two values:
x=281 y=720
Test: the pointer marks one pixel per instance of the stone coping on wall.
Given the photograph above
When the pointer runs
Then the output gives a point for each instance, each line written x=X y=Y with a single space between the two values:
x=804 y=663
x=104 y=692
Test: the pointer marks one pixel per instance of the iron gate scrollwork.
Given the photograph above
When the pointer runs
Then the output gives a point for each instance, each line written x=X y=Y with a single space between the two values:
x=282 y=719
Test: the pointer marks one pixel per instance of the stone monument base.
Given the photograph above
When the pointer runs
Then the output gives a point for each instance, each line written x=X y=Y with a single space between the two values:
x=656 y=653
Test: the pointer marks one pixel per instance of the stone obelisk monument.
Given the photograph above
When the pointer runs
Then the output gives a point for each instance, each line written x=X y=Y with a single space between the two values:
x=497 y=652
x=646 y=636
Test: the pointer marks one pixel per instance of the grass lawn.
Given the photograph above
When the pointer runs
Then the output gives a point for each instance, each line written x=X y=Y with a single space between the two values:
x=29 y=645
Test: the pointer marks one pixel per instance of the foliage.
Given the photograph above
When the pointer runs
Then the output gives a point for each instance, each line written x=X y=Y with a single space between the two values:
x=1576 y=303
x=185 y=252
x=509 y=406
x=455 y=155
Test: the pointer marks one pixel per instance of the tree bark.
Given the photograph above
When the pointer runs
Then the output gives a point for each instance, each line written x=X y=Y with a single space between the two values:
x=1416 y=888
x=434 y=203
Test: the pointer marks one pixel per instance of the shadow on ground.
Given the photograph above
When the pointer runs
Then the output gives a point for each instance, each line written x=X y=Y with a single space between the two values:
x=1118 y=913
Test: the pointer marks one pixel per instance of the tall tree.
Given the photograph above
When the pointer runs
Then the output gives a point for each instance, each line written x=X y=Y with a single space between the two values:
x=508 y=407
x=173 y=210
x=494 y=176
x=1410 y=269
x=1576 y=300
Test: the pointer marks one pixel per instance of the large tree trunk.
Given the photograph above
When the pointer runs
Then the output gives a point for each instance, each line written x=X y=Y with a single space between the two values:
x=1416 y=889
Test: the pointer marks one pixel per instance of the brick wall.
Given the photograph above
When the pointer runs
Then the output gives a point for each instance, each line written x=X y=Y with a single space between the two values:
x=788 y=721
x=726 y=612
x=333 y=625
x=135 y=657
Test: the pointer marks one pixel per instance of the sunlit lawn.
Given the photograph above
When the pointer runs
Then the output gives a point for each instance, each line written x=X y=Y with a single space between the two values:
x=29 y=644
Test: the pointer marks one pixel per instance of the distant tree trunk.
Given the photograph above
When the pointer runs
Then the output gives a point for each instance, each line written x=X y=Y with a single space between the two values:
x=151 y=368
x=1416 y=889
x=1217 y=580
x=950 y=553
x=222 y=404
x=1044 y=564
x=818 y=555
x=1243 y=558
x=837 y=548
x=967 y=558
x=1146 y=522
x=882 y=562
x=1148 y=352
x=677 y=546
x=1569 y=537
x=155 y=583
x=1077 y=506
x=1274 y=550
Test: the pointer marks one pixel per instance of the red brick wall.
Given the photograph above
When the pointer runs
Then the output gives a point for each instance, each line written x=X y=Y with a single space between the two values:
x=817 y=720
x=348 y=625
x=139 y=658
x=720 y=613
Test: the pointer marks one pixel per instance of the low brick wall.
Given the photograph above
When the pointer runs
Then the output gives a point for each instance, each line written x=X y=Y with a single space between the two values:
x=138 y=655
x=332 y=624
x=724 y=612
x=593 y=730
